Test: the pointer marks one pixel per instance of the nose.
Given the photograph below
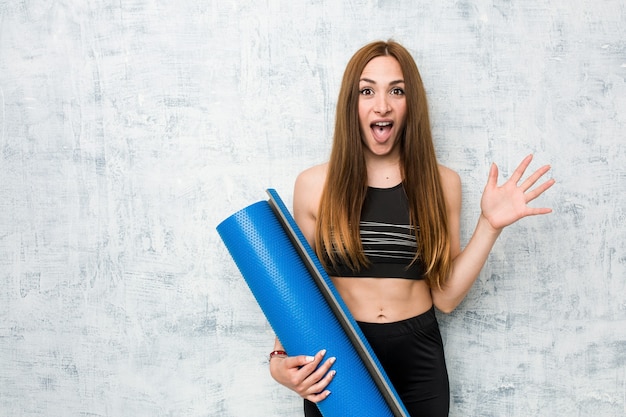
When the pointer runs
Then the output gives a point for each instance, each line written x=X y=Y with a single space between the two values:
x=382 y=106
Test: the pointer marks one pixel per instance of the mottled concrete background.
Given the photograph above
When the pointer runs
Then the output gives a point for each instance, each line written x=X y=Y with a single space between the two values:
x=130 y=129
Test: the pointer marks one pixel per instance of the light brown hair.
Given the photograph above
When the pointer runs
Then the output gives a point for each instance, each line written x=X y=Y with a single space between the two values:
x=337 y=230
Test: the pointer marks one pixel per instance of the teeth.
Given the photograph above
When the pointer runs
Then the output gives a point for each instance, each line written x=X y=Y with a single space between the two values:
x=382 y=124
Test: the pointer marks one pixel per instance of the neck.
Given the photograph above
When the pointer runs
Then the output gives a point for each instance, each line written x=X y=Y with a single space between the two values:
x=383 y=172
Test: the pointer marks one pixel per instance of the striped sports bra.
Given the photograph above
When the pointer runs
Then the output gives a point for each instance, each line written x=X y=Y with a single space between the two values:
x=387 y=238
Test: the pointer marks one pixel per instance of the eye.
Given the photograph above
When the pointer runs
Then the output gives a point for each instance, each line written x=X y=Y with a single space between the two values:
x=397 y=91
x=367 y=91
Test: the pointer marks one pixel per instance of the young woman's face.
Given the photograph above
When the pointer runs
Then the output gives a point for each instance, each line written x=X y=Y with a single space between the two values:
x=382 y=105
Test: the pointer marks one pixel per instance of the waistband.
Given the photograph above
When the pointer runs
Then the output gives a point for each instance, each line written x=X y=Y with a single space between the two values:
x=406 y=326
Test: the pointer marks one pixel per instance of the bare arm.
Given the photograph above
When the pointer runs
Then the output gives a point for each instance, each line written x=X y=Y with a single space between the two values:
x=306 y=375
x=500 y=207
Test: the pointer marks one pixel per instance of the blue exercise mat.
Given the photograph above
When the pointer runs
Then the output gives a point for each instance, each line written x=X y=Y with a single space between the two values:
x=305 y=310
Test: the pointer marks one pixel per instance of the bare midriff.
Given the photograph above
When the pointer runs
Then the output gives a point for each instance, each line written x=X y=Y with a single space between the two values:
x=384 y=300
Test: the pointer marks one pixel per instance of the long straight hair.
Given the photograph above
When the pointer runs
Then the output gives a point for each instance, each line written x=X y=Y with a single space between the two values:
x=337 y=236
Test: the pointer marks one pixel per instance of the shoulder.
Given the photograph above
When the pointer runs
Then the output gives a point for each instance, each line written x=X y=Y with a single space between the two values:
x=449 y=177
x=307 y=195
x=312 y=179
x=308 y=188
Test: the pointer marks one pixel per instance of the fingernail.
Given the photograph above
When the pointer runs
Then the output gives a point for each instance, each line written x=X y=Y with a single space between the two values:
x=332 y=360
x=323 y=352
x=310 y=358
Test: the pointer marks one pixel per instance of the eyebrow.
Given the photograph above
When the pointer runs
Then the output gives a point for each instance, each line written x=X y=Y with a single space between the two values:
x=395 y=82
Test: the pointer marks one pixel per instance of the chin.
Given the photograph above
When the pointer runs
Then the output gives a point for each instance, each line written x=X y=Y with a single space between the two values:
x=383 y=149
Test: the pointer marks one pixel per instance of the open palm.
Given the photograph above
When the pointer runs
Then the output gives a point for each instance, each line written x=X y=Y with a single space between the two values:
x=506 y=204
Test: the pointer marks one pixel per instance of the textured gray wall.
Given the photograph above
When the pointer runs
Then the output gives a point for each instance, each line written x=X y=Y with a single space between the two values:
x=130 y=129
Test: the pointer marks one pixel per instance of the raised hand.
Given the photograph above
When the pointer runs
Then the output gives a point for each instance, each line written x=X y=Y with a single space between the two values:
x=506 y=204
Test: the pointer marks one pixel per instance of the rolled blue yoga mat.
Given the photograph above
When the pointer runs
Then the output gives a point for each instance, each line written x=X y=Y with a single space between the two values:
x=304 y=309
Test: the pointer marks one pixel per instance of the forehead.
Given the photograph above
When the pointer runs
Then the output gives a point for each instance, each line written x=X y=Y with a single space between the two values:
x=382 y=68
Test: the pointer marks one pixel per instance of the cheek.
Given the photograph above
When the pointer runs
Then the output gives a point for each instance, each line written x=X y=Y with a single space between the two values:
x=402 y=111
x=362 y=110
x=362 y=117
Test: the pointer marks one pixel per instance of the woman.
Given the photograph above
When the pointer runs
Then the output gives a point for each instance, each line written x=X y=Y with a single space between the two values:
x=384 y=217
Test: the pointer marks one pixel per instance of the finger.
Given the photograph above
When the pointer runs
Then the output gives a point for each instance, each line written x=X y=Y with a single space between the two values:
x=320 y=373
x=492 y=180
x=318 y=390
x=521 y=168
x=531 y=195
x=301 y=368
x=315 y=382
x=322 y=383
x=530 y=181
x=316 y=398
x=537 y=211
x=300 y=361
x=310 y=367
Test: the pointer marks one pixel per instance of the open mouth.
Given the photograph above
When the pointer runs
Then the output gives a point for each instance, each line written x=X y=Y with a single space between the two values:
x=381 y=130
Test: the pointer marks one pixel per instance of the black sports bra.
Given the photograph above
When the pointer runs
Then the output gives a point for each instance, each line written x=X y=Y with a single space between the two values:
x=387 y=238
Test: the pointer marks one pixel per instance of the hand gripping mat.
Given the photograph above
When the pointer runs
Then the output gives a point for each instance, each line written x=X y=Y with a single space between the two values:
x=305 y=310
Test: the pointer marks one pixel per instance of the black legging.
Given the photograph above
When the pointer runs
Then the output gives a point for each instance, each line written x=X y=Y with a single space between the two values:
x=411 y=352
